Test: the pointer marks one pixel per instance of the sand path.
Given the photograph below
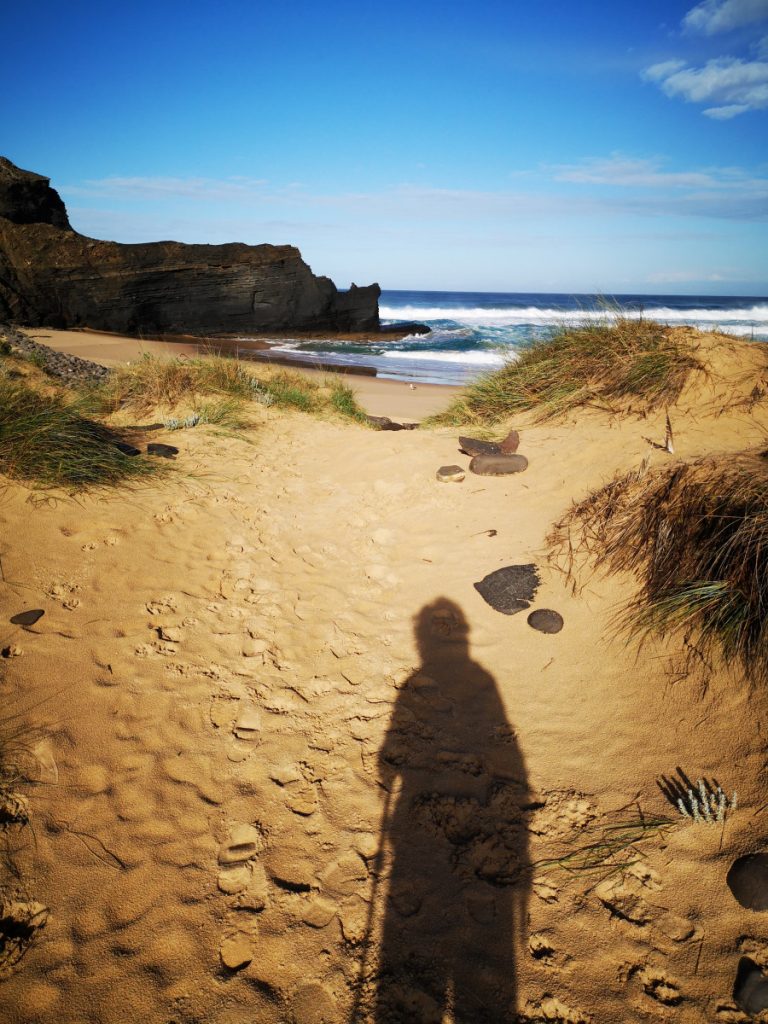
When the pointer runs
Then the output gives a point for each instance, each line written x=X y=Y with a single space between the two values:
x=225 y=655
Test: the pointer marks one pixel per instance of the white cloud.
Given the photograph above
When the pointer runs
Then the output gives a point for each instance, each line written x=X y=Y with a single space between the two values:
x=682 y=277
x=733 y=86
x=164 y=188
x=713 y=16
x=634 y=172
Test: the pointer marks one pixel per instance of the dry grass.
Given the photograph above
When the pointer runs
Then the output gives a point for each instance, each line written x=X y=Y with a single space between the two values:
x=619 y=363
x=696 y=536
x=50 y=440
x=151 y=383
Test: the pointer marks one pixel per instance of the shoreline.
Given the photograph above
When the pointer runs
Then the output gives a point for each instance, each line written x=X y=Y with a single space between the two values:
x=378 y=396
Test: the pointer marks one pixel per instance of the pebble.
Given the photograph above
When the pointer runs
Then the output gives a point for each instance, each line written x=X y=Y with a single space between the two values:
x=545 y=620
x=450 y=474
x=28 y=618
x=510 y=589
x=173 y=634
x=474 y=446
x=236 y=951
x=345 y=874
x=12 y=651
x=498 y=465
x=164 y=451
x=291 y=869
x=510 y=444
x=748 y=881
x=254 y=648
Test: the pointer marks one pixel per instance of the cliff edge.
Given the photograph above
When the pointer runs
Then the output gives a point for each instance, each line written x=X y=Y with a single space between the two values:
x=52 y=276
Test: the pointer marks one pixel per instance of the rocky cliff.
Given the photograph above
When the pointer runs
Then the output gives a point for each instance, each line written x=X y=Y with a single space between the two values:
x=52 y=276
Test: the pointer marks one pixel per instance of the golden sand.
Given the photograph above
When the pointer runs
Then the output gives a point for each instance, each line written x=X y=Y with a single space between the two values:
x=288 y=742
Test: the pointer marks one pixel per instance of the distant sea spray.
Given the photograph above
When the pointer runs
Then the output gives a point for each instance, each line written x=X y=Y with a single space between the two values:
x=474 y=332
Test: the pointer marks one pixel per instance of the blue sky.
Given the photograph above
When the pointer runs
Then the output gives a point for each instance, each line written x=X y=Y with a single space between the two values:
x=549 y=146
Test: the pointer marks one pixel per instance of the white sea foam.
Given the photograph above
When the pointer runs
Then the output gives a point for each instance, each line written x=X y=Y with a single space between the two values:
x=536 y=315
x=476 y=358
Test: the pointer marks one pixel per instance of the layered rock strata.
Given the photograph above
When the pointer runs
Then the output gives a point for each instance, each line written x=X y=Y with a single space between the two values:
x=52 y=276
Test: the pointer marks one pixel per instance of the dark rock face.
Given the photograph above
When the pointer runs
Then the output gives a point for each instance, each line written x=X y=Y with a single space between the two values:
x=51 y=276
x=27 y=198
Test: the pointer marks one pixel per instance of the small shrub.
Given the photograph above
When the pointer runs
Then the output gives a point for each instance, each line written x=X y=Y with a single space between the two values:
x=696 y=536
x=626 y=361
x=45 y=440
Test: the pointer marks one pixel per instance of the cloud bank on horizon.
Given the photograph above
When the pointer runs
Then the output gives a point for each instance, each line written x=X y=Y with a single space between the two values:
x=439 y=145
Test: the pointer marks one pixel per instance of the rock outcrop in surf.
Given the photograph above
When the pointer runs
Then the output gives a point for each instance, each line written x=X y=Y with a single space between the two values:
x=52 y=276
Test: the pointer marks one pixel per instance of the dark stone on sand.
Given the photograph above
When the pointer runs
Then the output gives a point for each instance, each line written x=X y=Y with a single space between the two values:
x=498 y=465
x=510 y=444
x=52 y=276
x=450 y=474
x=385 y=423
x=474 y=446
x=127 y=449
x=750 y=990
x=165 y=451
x=28 y=618
x=748 y=881
x=511 y=589
x=545 y=620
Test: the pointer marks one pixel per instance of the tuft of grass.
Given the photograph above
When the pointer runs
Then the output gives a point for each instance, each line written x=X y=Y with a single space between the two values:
x=152 y=383
x=342 y=399
x=614 y=846
x=46 y=440
x=641 y=363
x=696 y=536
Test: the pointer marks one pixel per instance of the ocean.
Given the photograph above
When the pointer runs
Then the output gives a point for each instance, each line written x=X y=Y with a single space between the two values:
x=474 y=332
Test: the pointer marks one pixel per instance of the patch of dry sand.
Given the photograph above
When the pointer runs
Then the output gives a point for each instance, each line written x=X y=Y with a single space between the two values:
x=243 y=670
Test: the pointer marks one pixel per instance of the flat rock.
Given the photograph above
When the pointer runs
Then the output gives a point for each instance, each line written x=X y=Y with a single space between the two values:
x=498 y=465
x=474 y=446
x=165 y=451
x=28 y=618
x=510 y=589
x=126 y=449
x=511 y=443
x=450 y=474
x=319 y=913
x=248 y=724
x=748 y=881
x=545 y=620
x=385 y=423
x=234 y=879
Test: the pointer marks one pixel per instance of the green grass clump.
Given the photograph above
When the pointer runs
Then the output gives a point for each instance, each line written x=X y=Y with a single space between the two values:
x=696 y=536
x=641 y=363
x=46 y=440
x=152 y=383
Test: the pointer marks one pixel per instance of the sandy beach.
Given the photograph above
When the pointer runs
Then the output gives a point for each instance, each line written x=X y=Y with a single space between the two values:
x=255 y=674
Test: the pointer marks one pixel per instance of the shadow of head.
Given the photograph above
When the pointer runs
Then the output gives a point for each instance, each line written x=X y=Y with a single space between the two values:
x=441 y=628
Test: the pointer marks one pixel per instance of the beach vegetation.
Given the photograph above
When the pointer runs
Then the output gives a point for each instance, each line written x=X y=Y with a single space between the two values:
x=695 y=534
x=191 y=384
x=617 y=364
x=49 y=439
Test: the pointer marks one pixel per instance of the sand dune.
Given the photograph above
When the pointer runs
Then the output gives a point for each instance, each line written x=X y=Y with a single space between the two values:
x=296 y=769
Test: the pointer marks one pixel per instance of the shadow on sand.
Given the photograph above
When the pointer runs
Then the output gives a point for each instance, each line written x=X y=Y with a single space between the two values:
x=454 y=845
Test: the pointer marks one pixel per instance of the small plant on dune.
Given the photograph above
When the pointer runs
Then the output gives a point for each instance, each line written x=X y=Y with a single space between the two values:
x=152 y=383
x=696 y=536
x=705 y=804
x=614 y=846
x=640 y=363
x=46 y=439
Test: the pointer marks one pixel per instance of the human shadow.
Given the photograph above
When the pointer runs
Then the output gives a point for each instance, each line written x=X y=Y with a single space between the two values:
x=455 y=839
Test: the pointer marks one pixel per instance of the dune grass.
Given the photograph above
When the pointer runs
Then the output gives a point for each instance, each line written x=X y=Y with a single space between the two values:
x=151 y=383
x=617 y=363
x=48 y=440
x=696 y=536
